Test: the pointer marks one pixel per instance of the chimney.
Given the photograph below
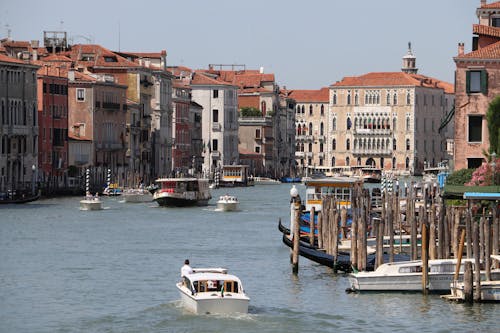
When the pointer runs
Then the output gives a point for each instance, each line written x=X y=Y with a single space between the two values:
x=261 y=71
x=71 y=75
x=483 y=2
x=164 y=59
x=460 y=49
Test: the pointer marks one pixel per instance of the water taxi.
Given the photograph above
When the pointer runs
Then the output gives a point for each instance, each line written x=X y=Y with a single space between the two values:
x=91 y=202
x=181 y=192
x=213 y=291
x=228 y=203
x=135 y=195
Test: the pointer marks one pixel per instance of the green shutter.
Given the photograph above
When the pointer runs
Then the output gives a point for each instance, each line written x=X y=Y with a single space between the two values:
x=467 y=82
x=484 y=82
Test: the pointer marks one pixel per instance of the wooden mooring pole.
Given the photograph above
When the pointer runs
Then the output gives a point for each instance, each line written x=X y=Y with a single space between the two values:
x=296 y=239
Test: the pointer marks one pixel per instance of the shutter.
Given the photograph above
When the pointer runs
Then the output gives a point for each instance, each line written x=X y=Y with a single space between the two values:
x=484 y=82
x=467 y=82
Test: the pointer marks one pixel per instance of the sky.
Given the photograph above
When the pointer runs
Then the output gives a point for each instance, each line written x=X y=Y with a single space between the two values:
x=307 y=44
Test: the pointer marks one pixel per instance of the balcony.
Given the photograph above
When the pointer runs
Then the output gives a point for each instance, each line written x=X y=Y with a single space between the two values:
x=309 y=154
x=309 y=138
x=372 y=152
x=372 y=131
x=299 y=154
x=111 y=106
x=321 y=155
x=321 y=138
x=215 y=154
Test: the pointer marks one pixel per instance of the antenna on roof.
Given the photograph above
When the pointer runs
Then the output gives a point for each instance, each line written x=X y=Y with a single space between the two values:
x=119 y=36
x=7 y=26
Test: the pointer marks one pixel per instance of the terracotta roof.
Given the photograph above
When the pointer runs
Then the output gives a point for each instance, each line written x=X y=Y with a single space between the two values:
x=245 y=78
x=492 y=5
x=152 y=55
x=300 y=96
x=56 y=58
x=200 y=78
x=99 y=56
x=491 y=51
x=486 y=30
x=4 y=58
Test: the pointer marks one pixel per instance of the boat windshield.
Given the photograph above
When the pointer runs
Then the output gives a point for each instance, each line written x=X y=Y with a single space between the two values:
x=215 y=285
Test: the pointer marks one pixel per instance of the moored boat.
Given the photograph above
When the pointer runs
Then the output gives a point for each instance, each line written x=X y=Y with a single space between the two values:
x=228 y=203
x=266 y=181
x=213 y=291
x=180 y=192
x=407 y=276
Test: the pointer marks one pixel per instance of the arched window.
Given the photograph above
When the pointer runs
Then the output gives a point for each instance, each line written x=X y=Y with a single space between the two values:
x=322 y=110
x=407 y=144
x=321 y=129
x=394 y=163
x=408 y=99
x=347 y=144
x=320 y=147
x=407 y=163
x=359 y=161
x=302 y=147
x=310 y=147
x=407 y=123
x=356 y=99
x=381 y=163
x=303 y=109
x=334 y=102
x=334 y=144
x=310 y=128
x=333 y=161
x=395 y=99
x=334 y=124
x=310 y=110
x=299 y=130
x=394 y=123
x=388 y=101
x=347 y=161
x=349 y=97
x=393 y=144
x=349 y=123
x=298 y=109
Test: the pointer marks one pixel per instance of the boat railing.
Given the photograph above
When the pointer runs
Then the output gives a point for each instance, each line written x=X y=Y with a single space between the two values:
x=210 y=270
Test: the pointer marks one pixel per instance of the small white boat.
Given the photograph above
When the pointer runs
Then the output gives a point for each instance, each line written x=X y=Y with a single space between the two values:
x=228 y=203
x=407 y=276
x=91 y=202
x=265 y=181
x=490 y=290
x=213 y=291
x=137 y=195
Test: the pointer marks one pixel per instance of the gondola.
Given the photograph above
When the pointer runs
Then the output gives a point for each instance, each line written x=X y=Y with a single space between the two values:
x=19 y=199
x=343 y=262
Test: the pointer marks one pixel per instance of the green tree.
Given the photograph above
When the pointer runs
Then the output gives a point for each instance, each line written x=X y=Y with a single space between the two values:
x=493 y=119
x=250 y=112
x=459 y=177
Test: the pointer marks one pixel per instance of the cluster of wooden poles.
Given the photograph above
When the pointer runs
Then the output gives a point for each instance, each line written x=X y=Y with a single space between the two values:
x=443 y=230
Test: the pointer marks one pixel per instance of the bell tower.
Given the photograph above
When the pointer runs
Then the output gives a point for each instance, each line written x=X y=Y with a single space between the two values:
x=409 y=62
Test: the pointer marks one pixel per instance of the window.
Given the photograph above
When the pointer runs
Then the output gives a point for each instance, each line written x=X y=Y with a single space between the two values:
x=407 y=144
x=476 y=81
x=215 y=144
x=322 y=110
x=257 y=149
x=80 y=94
x=495 y=22
x=257 y=133
x=320 y=147
x=349 y=123
x=263 y=107
x=348 y=144
x=333 y=161
x=321 y=129
x=310 y=147
x=393 y=144
x=334 y=144
x=349 y=97
x=475 y=128
x=334 y=124
x=310 y=110
x=408 y=98
x=310 y=129
x=215 y=115
x=334 y=101
x=215 y=93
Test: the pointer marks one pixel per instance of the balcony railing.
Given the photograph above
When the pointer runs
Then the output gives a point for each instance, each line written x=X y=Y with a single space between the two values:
x=372 y=152
x=300 y=154
x=372 y=131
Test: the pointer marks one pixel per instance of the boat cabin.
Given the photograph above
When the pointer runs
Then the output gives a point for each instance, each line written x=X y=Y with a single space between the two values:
x=339 y=187
x=237 y=175
x=211 y=281
x=181 y=185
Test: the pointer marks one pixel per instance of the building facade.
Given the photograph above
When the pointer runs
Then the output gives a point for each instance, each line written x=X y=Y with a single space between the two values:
x=18 y=125
x=477 y=82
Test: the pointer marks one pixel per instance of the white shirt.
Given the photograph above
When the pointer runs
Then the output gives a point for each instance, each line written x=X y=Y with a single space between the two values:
x=185 y=270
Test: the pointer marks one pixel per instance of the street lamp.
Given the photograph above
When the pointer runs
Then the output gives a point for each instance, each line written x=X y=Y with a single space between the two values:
x=33 y=169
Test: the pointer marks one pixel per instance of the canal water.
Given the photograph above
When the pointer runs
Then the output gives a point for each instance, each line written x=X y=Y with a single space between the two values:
x=66 y=270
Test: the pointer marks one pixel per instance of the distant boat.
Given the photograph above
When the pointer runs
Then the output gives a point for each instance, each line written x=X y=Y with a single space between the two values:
x=265 y=181
x=371 y=175
x=136 y=195
x=227 y=203
x=112 y=190
x=15 y=198
x=213 y=291
x=91 y=202
x=181 y=192
x=290 y=179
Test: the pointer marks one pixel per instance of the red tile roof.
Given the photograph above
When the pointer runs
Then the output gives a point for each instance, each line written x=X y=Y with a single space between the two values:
x=4 y=58
x=486 y=30
x=309 y=96
x=99 y=55
x=492 y=5
x=199 y=78
x=383 y=79
x=56 y=58
x=491 y=51
x=245 y=78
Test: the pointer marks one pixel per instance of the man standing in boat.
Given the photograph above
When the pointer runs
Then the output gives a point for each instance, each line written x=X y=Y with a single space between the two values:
x=185 y=270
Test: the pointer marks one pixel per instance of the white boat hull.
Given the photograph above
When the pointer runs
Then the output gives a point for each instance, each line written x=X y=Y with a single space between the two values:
x=490 y=291
x=227 y=206
x=406 y=282
x=213 y=302
x=136 y=197
x=90 y=204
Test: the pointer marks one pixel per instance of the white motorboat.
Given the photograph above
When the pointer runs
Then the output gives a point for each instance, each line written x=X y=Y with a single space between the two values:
x=213 y=291
x=137 y=195
x=228 y=203
x=407 y=276
x=265 y=181
x=182 y=192
x=490 y=290
x=91 y=202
